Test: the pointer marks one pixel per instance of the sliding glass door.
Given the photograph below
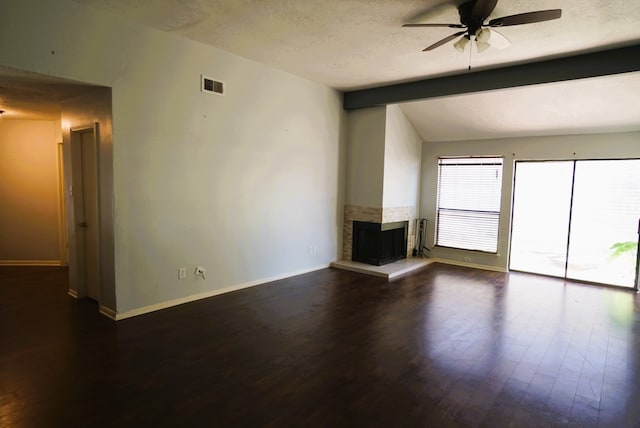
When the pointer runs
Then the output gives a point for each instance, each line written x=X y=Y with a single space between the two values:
x=540 y=225
x=604 y=223
x=577 y=219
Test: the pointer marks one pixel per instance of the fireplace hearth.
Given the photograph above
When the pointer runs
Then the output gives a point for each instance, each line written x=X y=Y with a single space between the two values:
x=379 y=244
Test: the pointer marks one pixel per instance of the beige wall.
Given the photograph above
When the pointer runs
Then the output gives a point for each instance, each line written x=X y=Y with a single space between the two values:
x=402 y=159
x=365 y=157
x=29 y=221
x=247 y=185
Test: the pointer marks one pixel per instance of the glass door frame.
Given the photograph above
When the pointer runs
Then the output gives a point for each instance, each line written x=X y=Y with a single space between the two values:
x=568 y=240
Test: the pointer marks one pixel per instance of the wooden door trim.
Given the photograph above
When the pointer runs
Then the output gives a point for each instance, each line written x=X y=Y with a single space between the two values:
x=76 y=177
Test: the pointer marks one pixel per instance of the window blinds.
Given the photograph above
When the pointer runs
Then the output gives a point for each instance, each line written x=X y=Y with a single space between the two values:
x=468 y=210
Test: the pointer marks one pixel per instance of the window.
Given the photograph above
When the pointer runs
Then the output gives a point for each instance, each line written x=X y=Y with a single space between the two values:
x=468 y=206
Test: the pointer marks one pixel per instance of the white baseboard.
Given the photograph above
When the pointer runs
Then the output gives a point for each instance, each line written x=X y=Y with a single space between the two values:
x=109 y=313
x=192 y=298
x=31 y=263
x=469 y=265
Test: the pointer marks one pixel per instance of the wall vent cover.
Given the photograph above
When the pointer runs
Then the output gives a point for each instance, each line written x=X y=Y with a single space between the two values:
x=211 y=86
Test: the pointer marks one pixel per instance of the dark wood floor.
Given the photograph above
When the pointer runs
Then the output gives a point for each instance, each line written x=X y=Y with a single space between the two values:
x=447 y=347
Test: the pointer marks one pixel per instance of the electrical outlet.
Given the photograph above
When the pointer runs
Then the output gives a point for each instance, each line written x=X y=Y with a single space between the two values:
x=182 y=273
x=200 y=271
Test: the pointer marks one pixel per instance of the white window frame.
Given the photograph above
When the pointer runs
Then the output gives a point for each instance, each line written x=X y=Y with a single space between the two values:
x=468 y=203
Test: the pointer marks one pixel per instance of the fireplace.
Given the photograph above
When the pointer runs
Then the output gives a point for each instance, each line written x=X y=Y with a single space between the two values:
x=379 y=244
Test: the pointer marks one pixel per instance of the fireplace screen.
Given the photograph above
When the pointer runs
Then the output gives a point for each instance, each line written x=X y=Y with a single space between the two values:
x=379 y=244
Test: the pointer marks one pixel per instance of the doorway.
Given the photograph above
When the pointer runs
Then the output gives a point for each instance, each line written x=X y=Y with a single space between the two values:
x=85 y=194
x=577 y=219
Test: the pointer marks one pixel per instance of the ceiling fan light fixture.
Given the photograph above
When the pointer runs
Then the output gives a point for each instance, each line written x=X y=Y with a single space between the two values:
x=482 y=46
x=461 y=44
x=483 y=35
x=473 y=22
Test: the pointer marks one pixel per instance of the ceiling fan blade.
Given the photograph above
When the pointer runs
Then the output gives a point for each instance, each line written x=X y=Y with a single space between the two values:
x=443 y=41
x=498 y=40
x=435 y=25
x=483 y=8
x=526 y=18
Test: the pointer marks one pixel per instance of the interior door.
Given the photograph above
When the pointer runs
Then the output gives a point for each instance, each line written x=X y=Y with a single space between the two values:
x=88 y=227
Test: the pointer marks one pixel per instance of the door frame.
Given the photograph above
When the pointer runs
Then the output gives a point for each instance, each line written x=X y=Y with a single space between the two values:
x=62 y=209
x=77 y=258
x=636 y=280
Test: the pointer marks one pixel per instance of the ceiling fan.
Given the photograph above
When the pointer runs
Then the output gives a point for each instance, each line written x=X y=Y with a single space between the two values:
x=473 y=16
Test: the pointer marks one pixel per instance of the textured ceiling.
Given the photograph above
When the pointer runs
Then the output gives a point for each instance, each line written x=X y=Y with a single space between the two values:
x=353 y=44
x=572 y=107
x=349 y=44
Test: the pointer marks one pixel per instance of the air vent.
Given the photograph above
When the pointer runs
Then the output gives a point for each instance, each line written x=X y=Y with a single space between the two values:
x=211 y=86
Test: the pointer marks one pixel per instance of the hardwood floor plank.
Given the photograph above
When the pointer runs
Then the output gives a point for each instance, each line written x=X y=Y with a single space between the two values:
x=445 y=347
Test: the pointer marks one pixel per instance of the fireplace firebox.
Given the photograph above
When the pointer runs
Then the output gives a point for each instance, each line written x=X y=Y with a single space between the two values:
x=379 y=244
